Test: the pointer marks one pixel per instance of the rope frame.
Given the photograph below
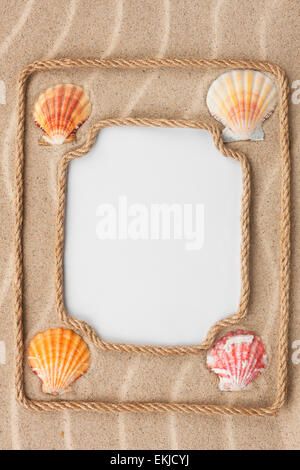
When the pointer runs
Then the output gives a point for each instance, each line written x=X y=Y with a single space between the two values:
x=83 y=327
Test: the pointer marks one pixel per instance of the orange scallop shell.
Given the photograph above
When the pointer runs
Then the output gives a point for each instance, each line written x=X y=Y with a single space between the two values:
x=60 y=111
x=241 y=100
x=58 y=357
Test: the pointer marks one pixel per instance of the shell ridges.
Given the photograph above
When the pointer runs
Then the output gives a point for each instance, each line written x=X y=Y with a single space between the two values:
x=60 y=111
x=58 y=356
x=241 y=100
x=237 y=358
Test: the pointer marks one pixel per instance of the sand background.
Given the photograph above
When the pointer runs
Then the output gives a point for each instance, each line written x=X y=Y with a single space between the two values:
x=267 y=30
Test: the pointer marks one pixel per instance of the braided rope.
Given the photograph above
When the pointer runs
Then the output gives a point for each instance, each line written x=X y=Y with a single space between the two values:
x=281 y=78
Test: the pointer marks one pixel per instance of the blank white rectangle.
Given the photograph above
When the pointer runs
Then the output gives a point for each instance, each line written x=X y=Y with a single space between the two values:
x=149 y=291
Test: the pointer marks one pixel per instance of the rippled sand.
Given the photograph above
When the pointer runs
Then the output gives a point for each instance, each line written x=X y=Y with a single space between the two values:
x=267 y=30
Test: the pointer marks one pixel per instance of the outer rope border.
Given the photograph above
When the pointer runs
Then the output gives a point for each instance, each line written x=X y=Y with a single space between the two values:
x=282 y=82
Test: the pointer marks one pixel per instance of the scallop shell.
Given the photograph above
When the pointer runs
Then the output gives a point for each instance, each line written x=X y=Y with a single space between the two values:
x=60 y=111
x=237 y=358
x=241 y=100
x=59 y=357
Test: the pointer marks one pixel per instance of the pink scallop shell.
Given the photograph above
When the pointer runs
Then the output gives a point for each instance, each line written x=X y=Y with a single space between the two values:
x=237 y=358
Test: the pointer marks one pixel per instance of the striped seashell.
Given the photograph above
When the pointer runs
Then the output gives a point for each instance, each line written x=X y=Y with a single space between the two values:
x=237 y=358
x=241 y=100
x=58 y=357
x=60 y=111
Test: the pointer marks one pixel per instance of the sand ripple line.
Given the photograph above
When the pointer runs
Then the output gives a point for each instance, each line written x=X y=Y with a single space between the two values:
x=271 y=260
x=17 y=28
x=6 y=284
x=67 y=26
x=67 y=431
x=266 y=191
x=271 y=319
x=14 y=420
x=115 y=35
x=175 y=393
x=262 y=33
x=6 y=161
x=130 y=372
x=215 y=23
x=229 y=428
x=5 y=164
x=265 y=21
x=161 y=53
x=52 y=183
x=116 y=31
x=194 y=108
